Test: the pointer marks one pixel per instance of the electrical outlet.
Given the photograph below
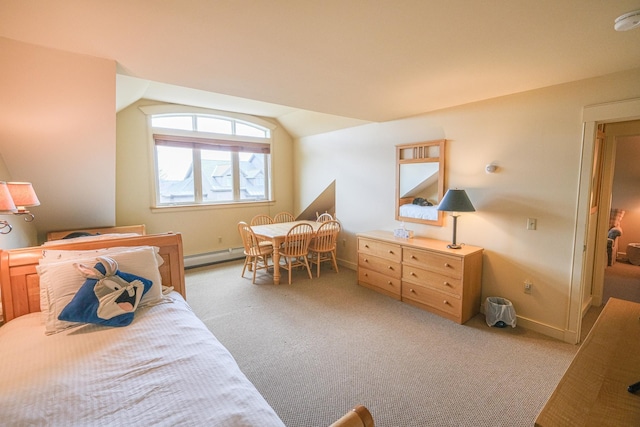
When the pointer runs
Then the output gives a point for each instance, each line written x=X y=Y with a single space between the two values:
x=528 y=286
x=219 y=239
x=532 y=223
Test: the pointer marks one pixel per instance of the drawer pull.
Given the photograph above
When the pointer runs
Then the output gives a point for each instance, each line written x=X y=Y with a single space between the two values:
x=389 y=282
x=413 y=257
x=413 y=274
x=447 y=284
x=412 y=291
x=446 y=264
x=366 y=246
x=366 y=260
x=445 y=302
x=390 y=251
x=390 y=267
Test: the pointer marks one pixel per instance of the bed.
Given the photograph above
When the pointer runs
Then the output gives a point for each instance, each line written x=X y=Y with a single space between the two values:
x=163 y=368
x=410 y=210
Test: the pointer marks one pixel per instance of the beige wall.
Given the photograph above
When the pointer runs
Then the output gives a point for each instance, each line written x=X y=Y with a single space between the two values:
x=57 y=130
x=202 y=228
x=535 y=138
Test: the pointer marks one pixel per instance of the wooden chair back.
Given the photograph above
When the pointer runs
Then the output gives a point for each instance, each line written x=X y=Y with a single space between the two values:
x=296 y=243
x=283 y=217
x=261 y=220
x=256 y=254
x=250 y=241
x=324 y=217
x=326 y=237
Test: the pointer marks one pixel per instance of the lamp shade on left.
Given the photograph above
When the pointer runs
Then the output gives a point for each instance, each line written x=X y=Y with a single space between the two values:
x=6 y=202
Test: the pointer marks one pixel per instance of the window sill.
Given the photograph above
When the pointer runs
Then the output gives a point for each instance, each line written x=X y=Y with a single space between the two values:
x=216 y=206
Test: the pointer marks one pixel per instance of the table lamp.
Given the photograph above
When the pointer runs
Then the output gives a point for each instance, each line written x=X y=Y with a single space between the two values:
x=454 y=201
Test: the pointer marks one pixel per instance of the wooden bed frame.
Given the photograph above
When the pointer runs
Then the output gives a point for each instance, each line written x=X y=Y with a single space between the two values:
x=20 y=283
x=138 y=229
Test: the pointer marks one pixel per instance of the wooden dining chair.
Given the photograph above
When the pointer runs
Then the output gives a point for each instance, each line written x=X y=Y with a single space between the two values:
x=323 y=246
x=324 y=217
x=283 y=217
x=261 y=220
x=256 y=255
x=295 y=249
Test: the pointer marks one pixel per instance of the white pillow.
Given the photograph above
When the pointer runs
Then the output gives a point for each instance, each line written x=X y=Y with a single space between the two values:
x=60 y=280
x=57 y=255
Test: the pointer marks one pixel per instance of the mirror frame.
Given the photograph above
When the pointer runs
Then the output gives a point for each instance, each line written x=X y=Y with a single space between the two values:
x=421 y=152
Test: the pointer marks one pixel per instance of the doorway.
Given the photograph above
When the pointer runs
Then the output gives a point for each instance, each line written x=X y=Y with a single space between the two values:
x=622 y=277
x=587 y=262
x=622 y=121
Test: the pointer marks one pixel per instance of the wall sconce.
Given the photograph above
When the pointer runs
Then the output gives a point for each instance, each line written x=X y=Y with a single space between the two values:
x=20 y=194
x=6 y=207
x=491 y=168
x=23 y=197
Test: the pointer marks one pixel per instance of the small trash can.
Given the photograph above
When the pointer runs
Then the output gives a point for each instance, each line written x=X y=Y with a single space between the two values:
x=499 y=312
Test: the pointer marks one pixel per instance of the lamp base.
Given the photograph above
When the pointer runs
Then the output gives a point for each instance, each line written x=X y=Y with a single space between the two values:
x=454 y=246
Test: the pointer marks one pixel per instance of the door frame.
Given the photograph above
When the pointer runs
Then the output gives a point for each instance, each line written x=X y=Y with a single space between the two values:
x=580 y=282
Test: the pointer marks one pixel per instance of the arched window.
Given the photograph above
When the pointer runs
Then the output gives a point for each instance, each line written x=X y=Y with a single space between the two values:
x=203 y=158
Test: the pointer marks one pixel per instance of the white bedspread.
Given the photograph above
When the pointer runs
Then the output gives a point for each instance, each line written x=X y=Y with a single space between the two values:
x=417 y=211
x=165 y=369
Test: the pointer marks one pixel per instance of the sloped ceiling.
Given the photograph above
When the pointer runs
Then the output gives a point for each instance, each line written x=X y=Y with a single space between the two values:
x=323 y=65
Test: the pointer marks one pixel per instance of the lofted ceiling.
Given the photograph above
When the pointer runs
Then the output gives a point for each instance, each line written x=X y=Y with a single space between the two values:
x=320 y=65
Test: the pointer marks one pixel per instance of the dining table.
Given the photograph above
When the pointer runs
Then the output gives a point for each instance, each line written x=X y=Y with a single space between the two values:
x=276 y=233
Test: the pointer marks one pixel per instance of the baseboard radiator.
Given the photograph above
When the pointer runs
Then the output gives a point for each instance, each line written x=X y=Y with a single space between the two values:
x=198 y=260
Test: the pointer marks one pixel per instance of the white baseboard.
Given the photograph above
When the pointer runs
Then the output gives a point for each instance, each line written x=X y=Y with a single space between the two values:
x=534 y=325
x=231 y=254
x=197 y=260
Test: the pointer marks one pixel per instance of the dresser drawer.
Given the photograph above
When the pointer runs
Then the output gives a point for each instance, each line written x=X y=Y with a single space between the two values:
x=380 y=249
x=420 y=276
x=380 y=265
x=440 y=263
x=430 y=297
x=389 y=284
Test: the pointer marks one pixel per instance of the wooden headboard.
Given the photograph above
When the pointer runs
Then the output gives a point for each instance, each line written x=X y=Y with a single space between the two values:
x=138 y=229
x=20 y=282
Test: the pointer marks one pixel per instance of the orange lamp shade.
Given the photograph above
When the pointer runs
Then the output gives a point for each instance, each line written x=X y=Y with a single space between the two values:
x=6 y=201
x=23 y=194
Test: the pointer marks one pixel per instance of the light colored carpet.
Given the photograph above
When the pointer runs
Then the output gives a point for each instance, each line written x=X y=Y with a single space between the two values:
x=316 y=348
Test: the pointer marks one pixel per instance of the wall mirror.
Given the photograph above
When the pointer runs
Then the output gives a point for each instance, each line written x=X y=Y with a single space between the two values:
x=420 y=182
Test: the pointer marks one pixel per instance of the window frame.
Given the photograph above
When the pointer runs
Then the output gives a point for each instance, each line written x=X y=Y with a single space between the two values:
x=204 y=140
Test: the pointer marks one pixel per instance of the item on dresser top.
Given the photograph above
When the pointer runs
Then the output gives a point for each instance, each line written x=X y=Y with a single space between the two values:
x=454 y=201
x=403 y=232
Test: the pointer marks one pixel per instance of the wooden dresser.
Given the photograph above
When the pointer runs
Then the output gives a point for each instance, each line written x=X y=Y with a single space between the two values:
x=593 y=390
x=422 y=272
